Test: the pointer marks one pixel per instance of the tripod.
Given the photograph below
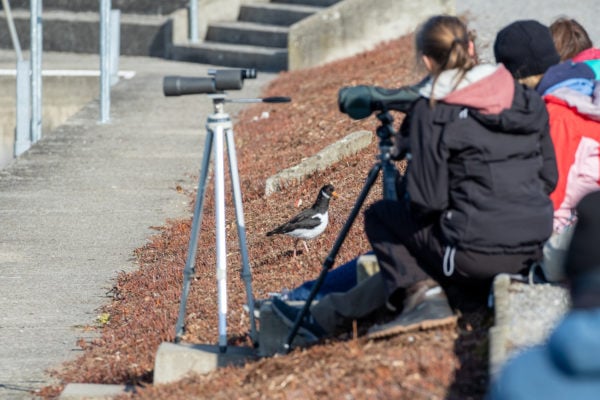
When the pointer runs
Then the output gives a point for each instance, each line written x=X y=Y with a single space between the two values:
x=385 y=132
x=218 y=128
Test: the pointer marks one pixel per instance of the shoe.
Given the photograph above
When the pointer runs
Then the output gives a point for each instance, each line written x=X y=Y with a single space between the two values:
x=432 y=311
x=309 y=328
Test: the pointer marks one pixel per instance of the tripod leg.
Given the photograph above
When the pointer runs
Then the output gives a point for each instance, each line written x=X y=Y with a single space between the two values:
x=390 y=177
x=188 y=271
x=328 y=263
x=241 y=228
x=221 y=237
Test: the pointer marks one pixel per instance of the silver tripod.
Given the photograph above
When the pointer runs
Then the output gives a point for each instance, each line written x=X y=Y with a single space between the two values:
x=219 y=129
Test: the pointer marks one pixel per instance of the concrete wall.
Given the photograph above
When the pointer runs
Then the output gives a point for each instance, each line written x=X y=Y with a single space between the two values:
x=353 y=26
x=62 y=96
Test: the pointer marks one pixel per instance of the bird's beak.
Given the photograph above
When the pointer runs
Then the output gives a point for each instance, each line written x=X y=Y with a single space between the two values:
x=334 y=195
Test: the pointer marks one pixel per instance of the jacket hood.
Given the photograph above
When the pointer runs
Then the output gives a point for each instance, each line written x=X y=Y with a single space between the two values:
x=578 y=76
x=574 y=346
x=493 y=98
x=525 y=115
x=587 y=106
x=486 y=88
x=589 y=54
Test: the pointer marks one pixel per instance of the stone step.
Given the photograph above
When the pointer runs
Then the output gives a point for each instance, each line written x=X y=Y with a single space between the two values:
x=79 y=32
x=248 y=33
x=230 y=55
x=276 y=14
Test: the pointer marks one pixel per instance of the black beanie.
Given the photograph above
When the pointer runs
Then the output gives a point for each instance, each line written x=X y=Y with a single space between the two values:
x=525 y=48
x=583 y=256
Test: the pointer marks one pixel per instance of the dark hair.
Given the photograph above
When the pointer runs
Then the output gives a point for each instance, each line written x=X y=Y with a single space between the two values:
x=570 y=38
x=445 y=39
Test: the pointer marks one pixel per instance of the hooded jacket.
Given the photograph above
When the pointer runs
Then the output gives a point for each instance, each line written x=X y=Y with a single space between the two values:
x=572 y=95
x=481 y=161
x=567 y=367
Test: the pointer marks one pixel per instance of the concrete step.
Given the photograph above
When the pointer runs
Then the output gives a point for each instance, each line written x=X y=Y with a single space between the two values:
x=126 y=6
x=78 y=32
x=248 y=33
x=230 y=55
x=276 y=14
x=318 y=3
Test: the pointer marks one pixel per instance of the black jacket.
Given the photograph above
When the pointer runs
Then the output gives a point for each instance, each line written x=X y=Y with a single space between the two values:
x=485 y=178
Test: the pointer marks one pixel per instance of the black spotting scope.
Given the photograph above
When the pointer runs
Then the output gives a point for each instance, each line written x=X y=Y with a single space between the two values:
x=218 y=81
x=361 y=101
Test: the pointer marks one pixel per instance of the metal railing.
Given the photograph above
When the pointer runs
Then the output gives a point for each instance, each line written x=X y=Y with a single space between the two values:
x=29 y=83
x=193 y=21
x=29 y=73
x=23 y=89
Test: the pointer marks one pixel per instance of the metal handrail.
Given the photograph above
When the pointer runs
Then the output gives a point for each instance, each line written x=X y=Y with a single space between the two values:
x=13 y=32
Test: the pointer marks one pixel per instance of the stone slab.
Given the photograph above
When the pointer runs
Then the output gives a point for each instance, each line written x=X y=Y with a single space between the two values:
x=92 y=391
x=525 y=315
x=175 y=361
x=331 y=154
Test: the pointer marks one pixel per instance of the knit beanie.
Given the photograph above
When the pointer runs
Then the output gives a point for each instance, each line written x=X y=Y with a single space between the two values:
x=525 y=48
x=582 y=263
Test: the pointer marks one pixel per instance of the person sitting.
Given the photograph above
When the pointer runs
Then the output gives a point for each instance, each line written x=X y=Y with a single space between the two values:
x=481 y=156
x=572 y=41
x=572 y=99
x=567 y=366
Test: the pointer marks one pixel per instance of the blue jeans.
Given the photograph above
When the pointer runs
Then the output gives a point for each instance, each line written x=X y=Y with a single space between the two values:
x=340 y=279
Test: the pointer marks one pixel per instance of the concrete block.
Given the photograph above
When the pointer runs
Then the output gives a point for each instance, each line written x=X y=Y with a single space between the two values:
x=175 y=361
x=273 y=331
x=92 y=391
x=331 y=154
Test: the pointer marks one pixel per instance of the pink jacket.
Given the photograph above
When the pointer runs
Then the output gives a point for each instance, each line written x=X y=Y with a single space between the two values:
x=576 y=139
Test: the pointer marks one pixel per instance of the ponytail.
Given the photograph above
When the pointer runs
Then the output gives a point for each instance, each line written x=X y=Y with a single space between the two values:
x=446 y=40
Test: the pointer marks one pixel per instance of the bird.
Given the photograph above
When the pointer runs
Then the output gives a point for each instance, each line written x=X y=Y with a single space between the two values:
x=310 y=222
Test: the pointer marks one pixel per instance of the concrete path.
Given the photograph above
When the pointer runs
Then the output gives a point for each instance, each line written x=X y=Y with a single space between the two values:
x=76 y=205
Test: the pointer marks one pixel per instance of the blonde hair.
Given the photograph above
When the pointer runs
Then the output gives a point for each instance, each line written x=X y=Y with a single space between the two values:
x=531 y=81
x=445 y=40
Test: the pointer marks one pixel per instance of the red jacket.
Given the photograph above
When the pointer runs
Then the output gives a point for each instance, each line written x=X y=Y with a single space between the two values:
x=576 y=141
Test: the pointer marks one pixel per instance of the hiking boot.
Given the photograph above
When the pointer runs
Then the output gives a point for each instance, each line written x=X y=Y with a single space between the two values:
x=427 y=308
x=309 y=328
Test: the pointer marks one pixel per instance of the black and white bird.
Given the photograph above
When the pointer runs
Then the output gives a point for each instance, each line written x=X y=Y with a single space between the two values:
x=310 y=222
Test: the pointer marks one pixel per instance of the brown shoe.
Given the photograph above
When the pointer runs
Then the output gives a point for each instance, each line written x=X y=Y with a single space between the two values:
x=427 y=308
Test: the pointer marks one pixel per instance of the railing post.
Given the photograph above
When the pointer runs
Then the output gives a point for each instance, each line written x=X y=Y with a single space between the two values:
x=115 y=45
x=105 y=6
x=23 y=129
x=23 y=90
x=193 y=21
x=36 y=36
